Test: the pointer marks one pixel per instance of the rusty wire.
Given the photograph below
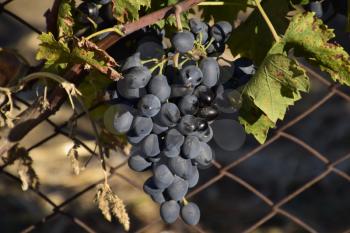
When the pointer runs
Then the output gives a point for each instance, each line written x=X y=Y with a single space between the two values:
x=222 y=171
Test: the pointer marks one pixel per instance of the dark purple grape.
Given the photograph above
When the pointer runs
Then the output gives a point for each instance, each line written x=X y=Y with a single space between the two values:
x=188 y=105
x=183 y=41
x=191 y=147
x=87 y=10
x=181 y=167
x=131 y=62
x=211 y=71
x=187 y=125
x=159 y=87
x=138 y=163
x=137 y=77
x=178 y=189
x=150 y=146
x=106 y=13
x=149 y=105
x=190 y=213
x=169 y=115
x=221 y=31
x=162 y=176
x=208 y=113
x=179 y=90
x=191 y=76
x=169 y=211
x=205 y=95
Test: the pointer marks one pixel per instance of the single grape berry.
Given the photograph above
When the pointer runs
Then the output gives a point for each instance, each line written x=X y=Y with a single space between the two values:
x=205 y=156
x=211 y=71
x=149 y=105
x=180 y=167
x=190 y=213
x=159 y=87
x=129 y=93
x=191 y=75
x=179 y=90
x=187 y=125
x=150 y=146
x=150 y=187
x=163 y=177
x=208 y=113
x=317 y=8
x=221 y=31
x=191 y=147
x=205 y=95
x=87 y=10
x=169 y=211
x=106 y=13
x=173 y=139
x=188 y=105
x=131 y=62
x=138 y=163
x=183 y=41
x=169 y=115
x=178 y=189
x=137 y=77
x=141 y=126
x=150 y=47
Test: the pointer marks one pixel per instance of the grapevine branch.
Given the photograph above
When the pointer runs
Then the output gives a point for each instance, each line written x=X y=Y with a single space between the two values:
x=31 y=117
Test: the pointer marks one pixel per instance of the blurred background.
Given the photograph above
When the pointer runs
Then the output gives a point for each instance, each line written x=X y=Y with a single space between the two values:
x=231 y=200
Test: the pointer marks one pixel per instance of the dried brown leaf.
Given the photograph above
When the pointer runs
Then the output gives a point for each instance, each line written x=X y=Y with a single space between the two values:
x=73 y=156
x=26 y=172
x=111 y=205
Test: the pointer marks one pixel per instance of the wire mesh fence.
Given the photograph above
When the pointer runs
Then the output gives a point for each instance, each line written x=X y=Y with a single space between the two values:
x=276 y=208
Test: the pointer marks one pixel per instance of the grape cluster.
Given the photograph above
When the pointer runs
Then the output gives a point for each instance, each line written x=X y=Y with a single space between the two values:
x=165 y=106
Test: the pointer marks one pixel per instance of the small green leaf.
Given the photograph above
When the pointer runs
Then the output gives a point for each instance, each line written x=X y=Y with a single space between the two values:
x=53 y=52
x=57 y=53
x=65 y=20
x=311 y=38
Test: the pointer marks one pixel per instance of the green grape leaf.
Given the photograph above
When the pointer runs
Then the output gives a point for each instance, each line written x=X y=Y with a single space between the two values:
x=54 y=52
x=310 y=37
x=277 y=84
x=128 y=10
x=255 y=122
x=58 y=54
x=253 y=38
x=65 y=20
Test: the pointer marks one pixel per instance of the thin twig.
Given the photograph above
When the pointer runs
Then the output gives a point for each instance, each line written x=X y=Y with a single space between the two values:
x=267 y=20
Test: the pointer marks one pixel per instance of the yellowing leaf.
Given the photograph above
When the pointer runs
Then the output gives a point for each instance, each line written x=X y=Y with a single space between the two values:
x=52 y=51
x=277 y=84
x=65 y=19
x=311 y=39
x=58 y=54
